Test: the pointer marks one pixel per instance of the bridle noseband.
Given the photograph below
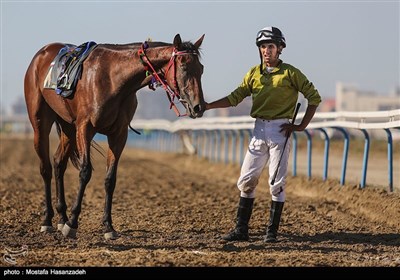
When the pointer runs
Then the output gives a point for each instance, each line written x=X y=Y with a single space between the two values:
x=156 y=80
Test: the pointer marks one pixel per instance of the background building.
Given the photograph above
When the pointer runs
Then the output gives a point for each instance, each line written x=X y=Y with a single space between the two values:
x=350 y=98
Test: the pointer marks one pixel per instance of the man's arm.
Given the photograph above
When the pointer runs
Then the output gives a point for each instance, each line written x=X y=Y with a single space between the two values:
x=220 y=103
x=309 y=114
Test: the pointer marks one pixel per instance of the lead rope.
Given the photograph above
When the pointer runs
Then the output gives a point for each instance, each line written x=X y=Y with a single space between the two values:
x=134 y=130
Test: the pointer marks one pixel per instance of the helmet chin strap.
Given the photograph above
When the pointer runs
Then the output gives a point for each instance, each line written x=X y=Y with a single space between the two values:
x=262 y=62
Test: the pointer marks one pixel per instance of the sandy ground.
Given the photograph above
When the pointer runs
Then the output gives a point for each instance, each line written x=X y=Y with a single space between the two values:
x=171 y=209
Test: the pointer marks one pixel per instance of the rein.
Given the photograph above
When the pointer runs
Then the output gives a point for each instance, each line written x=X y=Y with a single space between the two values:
x=157 y=80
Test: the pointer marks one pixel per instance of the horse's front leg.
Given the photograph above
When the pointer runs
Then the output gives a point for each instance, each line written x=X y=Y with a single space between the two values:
x=84 y=138
x=116 y=144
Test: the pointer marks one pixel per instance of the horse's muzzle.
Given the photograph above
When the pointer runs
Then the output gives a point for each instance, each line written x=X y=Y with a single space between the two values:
x=197 y=111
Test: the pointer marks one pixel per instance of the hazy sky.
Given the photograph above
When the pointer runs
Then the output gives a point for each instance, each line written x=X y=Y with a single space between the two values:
x=350 y=41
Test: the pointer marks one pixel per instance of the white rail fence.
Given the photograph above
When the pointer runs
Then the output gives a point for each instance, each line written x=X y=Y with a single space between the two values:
x=224 y=138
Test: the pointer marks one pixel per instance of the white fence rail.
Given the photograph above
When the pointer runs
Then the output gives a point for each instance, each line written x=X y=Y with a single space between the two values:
x=357 y=120
x=210 y=137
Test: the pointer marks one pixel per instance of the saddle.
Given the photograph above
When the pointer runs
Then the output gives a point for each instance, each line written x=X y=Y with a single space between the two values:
x=66 y=68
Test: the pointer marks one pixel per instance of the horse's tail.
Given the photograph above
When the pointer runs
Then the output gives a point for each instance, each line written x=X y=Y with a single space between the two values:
x=97 y=147
x=74 y=156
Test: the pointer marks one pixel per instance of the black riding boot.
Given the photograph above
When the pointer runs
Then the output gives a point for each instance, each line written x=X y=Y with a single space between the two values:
x=241 y=231
x=274 y=219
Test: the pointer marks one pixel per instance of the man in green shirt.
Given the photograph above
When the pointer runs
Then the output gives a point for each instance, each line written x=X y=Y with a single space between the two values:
x=273 y=86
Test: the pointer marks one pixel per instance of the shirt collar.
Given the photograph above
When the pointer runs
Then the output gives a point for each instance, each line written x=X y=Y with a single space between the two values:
x=276 y=69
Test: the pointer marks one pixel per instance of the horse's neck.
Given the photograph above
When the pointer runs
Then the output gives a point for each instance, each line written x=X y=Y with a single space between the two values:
x=127 y=69
x=159 y=57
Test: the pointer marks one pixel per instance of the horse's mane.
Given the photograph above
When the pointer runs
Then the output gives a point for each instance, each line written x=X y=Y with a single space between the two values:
x=185 y=46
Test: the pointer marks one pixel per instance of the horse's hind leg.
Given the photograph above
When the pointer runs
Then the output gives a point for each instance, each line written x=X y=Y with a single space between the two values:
x=41 y=143
x=84 y=137
x=60 y=164
x=116 y=145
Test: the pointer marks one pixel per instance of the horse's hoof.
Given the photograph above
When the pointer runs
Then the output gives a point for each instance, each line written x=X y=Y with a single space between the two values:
x=68 y=231
x=112 y=235
x=46 y=229
x=60 y=227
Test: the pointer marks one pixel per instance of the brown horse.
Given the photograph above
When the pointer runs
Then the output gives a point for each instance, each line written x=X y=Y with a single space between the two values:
x=104 y=102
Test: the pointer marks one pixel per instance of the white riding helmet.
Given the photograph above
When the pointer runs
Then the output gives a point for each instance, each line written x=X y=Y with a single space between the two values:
x=270 y=34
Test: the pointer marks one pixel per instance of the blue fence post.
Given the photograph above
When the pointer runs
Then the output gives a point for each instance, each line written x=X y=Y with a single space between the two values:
x=158 y=139
x=148 y=138
x=170 y=140
x=166 y=140
x=309 y=153
x=326 y=154
x=178 y=148
x=226 y=146
x=154 y=137
x=177 y=143
x=241 y=146
x=365 y=159
x=195 y=142
x=390 y=158
x=204 y=144
x=345 y=153
x=234 y=146
x=200 y=142
x=219 y=133
x=207 y=150
x=212 y=145
x=161 y=140
x=173 y=142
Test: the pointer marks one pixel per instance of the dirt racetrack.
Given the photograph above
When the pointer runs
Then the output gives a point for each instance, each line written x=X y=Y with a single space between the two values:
x=170 y=210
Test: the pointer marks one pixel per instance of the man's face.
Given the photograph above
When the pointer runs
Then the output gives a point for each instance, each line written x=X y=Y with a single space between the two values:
x=270 y=53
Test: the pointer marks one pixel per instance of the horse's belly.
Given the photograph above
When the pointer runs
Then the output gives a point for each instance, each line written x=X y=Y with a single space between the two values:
x=59 y=105
x=117 y=115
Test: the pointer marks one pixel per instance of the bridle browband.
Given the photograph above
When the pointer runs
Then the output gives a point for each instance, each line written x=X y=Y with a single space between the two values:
x=156 y=80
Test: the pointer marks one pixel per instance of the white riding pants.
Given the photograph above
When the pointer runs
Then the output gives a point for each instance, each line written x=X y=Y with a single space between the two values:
x=265 y=147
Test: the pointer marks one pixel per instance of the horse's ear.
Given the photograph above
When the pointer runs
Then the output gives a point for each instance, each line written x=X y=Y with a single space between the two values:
x=198 y=42
x=177 y=41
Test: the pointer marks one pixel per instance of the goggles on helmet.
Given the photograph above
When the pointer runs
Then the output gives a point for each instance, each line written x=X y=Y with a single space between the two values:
x=264 y=33
x=265 y=36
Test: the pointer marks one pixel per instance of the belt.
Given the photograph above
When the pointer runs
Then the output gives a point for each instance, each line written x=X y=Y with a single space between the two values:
x=275 y=120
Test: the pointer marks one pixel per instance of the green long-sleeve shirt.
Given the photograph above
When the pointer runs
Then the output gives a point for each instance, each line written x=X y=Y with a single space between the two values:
x=274 y=94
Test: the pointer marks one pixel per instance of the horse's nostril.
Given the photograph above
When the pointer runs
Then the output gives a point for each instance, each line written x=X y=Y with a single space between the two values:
x=197 y=108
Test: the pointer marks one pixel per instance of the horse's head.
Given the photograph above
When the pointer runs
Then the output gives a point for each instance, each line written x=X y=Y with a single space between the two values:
x=186 y=76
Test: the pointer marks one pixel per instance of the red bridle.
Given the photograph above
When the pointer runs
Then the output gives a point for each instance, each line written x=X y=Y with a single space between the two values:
x=156 y=79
